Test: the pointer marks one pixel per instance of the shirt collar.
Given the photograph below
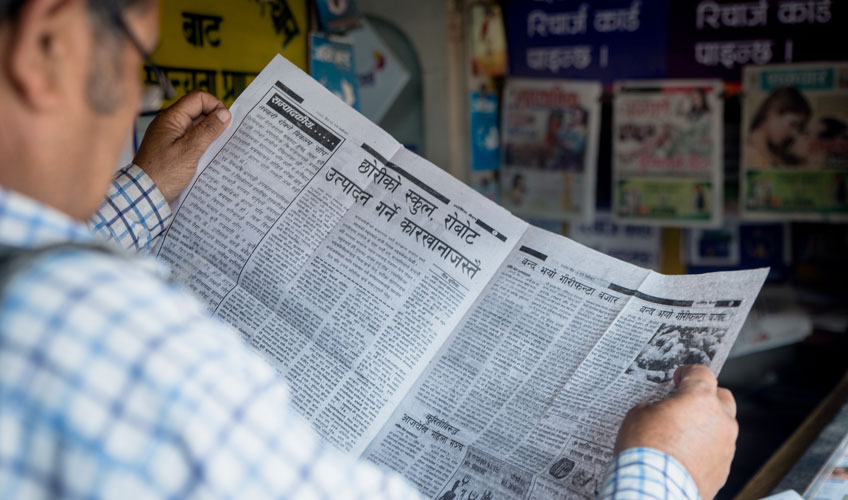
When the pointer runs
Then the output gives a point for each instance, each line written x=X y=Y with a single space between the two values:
x=25 y=222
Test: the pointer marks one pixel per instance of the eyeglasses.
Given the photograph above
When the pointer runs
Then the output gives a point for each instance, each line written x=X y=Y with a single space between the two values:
x=154 y=95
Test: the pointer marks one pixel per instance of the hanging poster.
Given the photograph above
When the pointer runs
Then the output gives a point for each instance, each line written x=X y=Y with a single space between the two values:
x=741 y=245
x=488 y=40
x=550 y=147
x=337 y=16
x=331 y=62
x=220 y=46
x=667 y=152
x=717 y=38
x=485 y=132
x=587 y=40
x=795 y=142
x=381 y=75
x=639 y=245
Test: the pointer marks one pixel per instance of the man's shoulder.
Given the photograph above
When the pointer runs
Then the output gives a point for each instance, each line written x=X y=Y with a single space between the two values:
x=66 y=275
x=78 y=306
x=91 y=293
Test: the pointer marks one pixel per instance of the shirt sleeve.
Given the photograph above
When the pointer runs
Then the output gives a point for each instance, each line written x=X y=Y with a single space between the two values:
x=134 y=213
x=645 y=473
x=112 y=381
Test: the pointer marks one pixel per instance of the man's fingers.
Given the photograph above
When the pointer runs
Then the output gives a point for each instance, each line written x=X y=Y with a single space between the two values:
x=193 y=106
x=694 y=377
x=727 y=401
x=207 y=130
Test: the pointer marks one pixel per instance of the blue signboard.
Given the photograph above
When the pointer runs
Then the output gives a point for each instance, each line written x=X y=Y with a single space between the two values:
x=603 y=40
x=717 y=38
x=332 y=64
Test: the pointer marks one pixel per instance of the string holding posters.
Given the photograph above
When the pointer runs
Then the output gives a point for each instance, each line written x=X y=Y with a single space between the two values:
x=550 y=147
x=667 y=153
x=795 y=142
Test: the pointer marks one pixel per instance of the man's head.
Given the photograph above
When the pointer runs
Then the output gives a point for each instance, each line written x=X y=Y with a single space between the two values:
x=69 y=90
x=782 y=118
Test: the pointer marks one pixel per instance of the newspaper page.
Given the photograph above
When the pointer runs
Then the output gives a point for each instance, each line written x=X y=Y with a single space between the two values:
x=550 y=147
x=525 y=399
x=795 y=142
x=667 y=152
x=419 y=324
x=340 y=256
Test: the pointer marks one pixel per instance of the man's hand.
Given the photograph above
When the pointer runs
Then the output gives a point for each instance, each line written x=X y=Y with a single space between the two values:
x=177 y=138
x=696 y=425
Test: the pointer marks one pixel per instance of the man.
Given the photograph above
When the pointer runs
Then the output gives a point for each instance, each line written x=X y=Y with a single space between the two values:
x=116 y=384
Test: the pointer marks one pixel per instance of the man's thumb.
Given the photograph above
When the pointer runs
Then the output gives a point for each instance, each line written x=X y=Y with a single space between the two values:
x=207 y=130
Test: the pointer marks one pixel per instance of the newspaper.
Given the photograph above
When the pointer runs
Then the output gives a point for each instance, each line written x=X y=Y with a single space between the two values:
x=667 y=152
x=550 y=147
x=419 y=325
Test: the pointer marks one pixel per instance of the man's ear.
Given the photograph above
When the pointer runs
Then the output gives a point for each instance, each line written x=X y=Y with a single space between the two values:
x=44 y=44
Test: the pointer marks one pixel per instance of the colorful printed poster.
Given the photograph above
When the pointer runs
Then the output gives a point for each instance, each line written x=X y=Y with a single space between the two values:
x=337 y=16
x=488 y=40
x=667 y=152
x=550 y=147
x=485 y=132
x=717 y=38
x=381 y=75
x=220 y=46
x=600 y=40
x=332 y=63
x=795 y=142
x=639 y=245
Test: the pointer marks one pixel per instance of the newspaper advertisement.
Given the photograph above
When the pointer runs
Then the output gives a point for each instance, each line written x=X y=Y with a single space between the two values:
x=419 y=325
x=667 y=153
x=795 y=142
x=550 y=147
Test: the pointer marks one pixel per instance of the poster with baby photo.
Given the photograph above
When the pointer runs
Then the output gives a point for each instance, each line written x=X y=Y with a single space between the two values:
x=795 y=142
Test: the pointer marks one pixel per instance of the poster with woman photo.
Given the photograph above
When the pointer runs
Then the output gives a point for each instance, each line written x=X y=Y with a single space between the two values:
x=795 y=142
x=550 y=147
x=667 y=153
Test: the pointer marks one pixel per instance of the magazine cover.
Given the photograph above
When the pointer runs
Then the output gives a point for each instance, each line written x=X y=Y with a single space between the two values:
x=488 y=41
x=667 y=153
x=331 y=62
x=337 y=16
x=485 y=131
x=550 y=147
x=795 y=142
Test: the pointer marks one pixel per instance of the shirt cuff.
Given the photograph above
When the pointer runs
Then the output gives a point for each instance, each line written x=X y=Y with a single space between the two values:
x=135 y=211
x=639 y=473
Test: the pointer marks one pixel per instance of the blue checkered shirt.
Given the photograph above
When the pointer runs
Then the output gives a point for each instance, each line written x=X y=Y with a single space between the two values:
x=646 y=473
x=117 y=384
